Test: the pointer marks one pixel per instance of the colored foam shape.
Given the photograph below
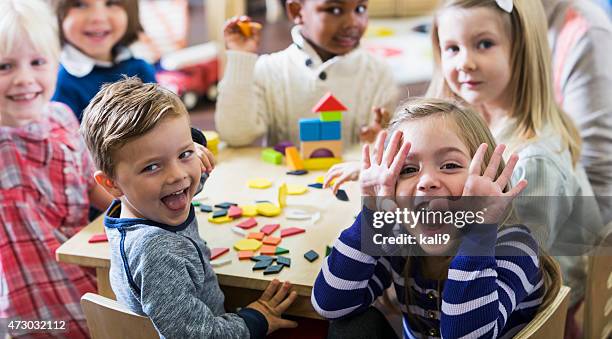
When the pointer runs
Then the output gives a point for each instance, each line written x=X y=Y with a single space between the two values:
x=282 y=195
x=274 y=269
x=307 y=148
x=247 y=245
x=269 y=229
x=217 y=252
x=331 y=116
x=259 y=183
x=262 y=258
x=331 y=130
x=268 y=249
x=206 y=208
x=271 y=156
x=310 y=130
x=283 y=261
x=234 y=212
x=226 y=205
x=243 y=255
x=98 y=238
x=262 y=265
x=280 y=250
x=315 y=164
x=294 y=189
x=271 y=240
x=287 y=232
x=298 y=172
x=268 y=209
x=341 y=195
x=294 y=161
x=311 y=255
x=249 y=210
x=256 y=236
x=247 y=224
x=328 y=103
x=219 y=220
x=281 y=146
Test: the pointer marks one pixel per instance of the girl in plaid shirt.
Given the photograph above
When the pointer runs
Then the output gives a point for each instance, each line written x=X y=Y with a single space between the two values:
x=46 y=181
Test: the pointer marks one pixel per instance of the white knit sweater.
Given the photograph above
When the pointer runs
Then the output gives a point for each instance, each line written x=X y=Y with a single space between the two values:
x=268 y=95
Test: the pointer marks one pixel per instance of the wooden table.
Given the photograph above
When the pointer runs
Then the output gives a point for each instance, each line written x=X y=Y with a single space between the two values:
x=228 y=183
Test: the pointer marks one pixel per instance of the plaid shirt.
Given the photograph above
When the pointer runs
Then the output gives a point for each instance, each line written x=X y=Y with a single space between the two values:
x=46 y=174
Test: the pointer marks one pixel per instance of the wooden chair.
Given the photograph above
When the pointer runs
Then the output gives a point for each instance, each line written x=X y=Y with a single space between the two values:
x=598 y=297
x=107 y=319
x=549 y=322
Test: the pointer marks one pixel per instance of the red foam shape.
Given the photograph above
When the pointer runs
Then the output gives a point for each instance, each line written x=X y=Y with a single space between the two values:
x=217 y=252
x=248 y=224
x=98 y=238
x=329 y=104
x=269 y=229
x=291 y=231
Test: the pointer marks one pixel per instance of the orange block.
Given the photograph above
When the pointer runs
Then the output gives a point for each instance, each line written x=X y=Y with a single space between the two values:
x=271 y=240
x=268 y=249
x=258 y=236
x=294 y=160
x=243 y=255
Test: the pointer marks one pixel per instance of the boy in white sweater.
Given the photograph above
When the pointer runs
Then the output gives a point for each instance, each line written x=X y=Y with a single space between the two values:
x=269 y=94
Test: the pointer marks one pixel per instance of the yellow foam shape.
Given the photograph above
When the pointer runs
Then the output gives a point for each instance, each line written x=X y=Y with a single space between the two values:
x=259 y=183
x=282 y=195
x=314 y=164
x=268 y=209
x=219 y=220
x=247 y=245
x=321 y=180
x=249 y=210
x=293 y=189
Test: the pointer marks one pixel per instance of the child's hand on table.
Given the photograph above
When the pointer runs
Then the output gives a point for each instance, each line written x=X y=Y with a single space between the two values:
x=273 y=302
x=241 y=34
x=346 y=171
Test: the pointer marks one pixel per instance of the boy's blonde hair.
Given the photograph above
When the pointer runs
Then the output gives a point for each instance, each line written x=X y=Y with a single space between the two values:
x=533 y=104
x=121 y=112
x=471 y=128
x=32 y=20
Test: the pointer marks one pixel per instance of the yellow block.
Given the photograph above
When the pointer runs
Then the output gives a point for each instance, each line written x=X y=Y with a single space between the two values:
x=247 y=245
x=259 y=183
x=219 y=220
x=282 y=195
x=293 y=189
x=314 y=164
x=249 y=210
x=321 y=179
x=212 y=141
x=293 y=158
x=268 y=209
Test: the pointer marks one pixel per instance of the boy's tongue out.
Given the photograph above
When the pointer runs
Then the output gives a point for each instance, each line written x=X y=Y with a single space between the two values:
x=176 y=201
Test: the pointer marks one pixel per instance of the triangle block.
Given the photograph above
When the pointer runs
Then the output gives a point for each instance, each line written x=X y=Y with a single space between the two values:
x=328 y=104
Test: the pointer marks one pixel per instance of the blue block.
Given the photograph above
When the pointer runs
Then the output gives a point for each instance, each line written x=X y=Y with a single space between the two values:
x=331 y=130
x=310 y=129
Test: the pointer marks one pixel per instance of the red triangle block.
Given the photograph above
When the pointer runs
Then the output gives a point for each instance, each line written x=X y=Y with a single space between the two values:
x=234 y=212
x=291 y=231
x=98 y=238
x=329 y=104
x=247 y=224
x=269 y=229
x=217 y=252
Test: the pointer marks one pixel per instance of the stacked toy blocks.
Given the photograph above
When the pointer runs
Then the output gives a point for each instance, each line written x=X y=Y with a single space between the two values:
x=321 y=139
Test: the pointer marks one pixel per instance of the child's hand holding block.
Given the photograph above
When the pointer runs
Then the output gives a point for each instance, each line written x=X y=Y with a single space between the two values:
x=241 y=34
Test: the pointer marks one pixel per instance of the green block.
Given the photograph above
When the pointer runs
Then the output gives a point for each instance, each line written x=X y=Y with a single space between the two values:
x=280 y=250
x=331 y=116
x=196 y=203
x=327 y=250
x=272 y=156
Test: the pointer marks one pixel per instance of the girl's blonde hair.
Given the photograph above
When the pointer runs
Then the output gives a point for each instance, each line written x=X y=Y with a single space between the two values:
x=533 y=104
x=473 y=131
x=32 y=20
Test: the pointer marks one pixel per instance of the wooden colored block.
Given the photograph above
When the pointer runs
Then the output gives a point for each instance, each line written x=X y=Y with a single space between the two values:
x=247 y=224
x=310 y=130
x=271 y=240
x=249 y=210
x=331 y=130
x=268 y=249
x=262 y=258
x=219 y=220
x=262 y=265
x=294 y=189
x=280 y=250
x=196 y=203
x=226 y=205
x=98 y=238
x=212 y=141
x=234 y=212
x=256 y=236
x=283 y=261
x=247 y=245
x=307 y=148
x=294 y=161
x=316 y=185
x=217 y=252
x=311 y=255
x=281 y=146
x=259 y=183
x=321 y=179
x=341 y=195
x=239 y=231
x=243 y=255
x=298 y=172
x=220 y=262
x=274 y=269
x=269 y=229
x=294 y=214
x=219 y=213
x=328 y=103
x=331 y=116
x=282 y=195
x=206 y=208
x=328 y=250
x=287 y=232
x=271 y=156
x=246 y=27
x=314 y=164
x=268 y=209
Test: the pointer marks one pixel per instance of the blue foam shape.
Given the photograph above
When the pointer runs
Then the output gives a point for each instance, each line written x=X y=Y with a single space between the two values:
x=331 y=130
x=310 y=129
